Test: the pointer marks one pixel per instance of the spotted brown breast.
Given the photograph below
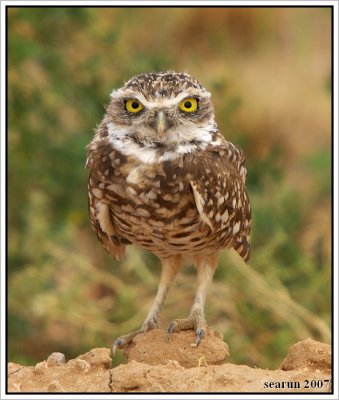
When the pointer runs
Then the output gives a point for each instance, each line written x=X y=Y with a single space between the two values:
x=194 y=203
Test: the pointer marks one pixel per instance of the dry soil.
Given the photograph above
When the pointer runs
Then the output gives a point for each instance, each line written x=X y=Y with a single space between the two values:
x=156 y=364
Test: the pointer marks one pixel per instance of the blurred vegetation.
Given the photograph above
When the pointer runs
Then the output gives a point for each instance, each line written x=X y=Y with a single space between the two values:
x=269 y=71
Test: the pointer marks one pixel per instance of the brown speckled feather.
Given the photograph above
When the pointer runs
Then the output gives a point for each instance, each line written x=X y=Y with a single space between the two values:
x=156 y=207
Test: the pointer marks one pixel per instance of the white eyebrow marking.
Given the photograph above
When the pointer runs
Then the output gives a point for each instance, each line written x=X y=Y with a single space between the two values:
x=164 y=102
x=161 y=101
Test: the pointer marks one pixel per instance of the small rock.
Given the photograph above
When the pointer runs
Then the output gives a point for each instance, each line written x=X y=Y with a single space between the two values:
x=56 y=359
x=308 y=355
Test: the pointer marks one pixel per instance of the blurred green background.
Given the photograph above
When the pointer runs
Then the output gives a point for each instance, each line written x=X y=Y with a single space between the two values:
x=269 y=71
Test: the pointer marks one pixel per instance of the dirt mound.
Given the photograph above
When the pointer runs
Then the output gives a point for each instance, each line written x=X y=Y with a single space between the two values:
x=308 y=355
x=154 y=348
x=156 y=364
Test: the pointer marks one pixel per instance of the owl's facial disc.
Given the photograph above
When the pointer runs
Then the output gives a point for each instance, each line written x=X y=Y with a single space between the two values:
x=167 y=112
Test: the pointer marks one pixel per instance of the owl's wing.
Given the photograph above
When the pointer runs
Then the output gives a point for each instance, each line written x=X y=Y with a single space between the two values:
x=218 y=187
x=101 y=166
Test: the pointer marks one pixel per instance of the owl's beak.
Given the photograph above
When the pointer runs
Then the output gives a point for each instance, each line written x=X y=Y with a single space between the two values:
x=161 y=123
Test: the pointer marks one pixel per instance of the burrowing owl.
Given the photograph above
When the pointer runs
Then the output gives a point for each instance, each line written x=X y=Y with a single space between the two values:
x=163 y=177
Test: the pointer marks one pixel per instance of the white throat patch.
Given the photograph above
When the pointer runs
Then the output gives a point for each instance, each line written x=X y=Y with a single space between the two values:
x=121 y=141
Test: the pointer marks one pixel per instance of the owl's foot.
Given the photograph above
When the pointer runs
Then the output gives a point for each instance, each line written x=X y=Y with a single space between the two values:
x=123 y=341
x=195 y=321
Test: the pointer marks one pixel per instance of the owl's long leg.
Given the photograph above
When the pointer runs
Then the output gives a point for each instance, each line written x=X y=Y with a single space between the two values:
x=170 y=267
x=196 y=319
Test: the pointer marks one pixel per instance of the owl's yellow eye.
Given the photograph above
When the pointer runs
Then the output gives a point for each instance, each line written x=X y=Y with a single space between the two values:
x=189 y=105
x=133 y=106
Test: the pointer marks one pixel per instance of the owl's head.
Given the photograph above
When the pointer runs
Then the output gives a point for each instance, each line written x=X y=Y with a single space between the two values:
x=160 y=109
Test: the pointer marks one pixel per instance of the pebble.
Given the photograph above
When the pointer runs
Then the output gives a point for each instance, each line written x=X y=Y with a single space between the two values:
x=56 y=359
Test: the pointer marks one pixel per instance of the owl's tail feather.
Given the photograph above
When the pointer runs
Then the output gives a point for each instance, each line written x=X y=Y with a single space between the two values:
x=116 y=250
x=243 y=248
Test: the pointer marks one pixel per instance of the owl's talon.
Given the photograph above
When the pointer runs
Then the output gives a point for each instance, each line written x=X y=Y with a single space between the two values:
x=200 y=333
x=119 y=343
x=123 y=341
x=170 y=329
x=194 y=321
